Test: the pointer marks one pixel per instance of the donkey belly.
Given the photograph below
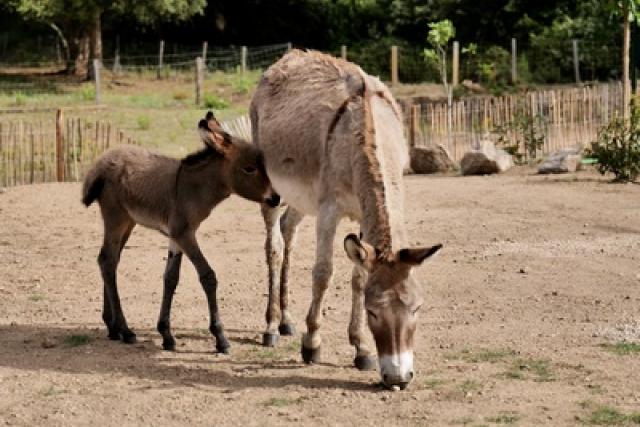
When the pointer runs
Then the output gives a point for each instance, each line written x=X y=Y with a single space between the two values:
x=300 y=195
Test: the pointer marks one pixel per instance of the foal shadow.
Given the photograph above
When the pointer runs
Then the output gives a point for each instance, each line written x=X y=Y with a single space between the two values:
x=81 y=350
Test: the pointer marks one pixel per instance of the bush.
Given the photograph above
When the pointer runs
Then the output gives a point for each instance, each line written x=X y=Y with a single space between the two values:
x=144 y=122
x=214 y=102
x=20 y=99
x=180 y=96
x=618 y=148
x=88 y=92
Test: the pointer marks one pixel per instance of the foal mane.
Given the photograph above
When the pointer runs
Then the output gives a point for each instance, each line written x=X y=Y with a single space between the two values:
x=200 y=157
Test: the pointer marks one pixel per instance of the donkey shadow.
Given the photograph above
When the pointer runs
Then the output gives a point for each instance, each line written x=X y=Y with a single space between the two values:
x=23 y=348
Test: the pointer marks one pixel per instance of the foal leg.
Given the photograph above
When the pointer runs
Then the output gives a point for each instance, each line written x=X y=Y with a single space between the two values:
x=288 y=225
x=207 y=276
x=171 y=277
x=363 y=360
x=116 y=234
x=273 y=249
x=326 y=224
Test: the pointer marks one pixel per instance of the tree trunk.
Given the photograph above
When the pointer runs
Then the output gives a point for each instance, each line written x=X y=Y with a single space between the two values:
x=80 y=53
x=626 y=87
x=96 y=40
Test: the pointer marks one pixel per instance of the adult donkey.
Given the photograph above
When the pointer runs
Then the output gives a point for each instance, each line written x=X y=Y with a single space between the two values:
x=333 y=142
x=135 y=186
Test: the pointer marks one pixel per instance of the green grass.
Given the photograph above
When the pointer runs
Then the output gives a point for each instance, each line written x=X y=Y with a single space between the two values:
x=470 y=386
x=534 y=369
x=433 y=383
x=280 y=402
x=144 y=123
x=36 y=297
x=504 y=418
x=463 y=421
x=215 y=102
x=609 y=416
x=482 y=355
x=622 y=348
x=77 y=340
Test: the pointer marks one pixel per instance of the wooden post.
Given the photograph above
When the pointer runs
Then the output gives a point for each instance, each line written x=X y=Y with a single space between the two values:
x=394 y=65
x=160 y=59
x=343 y=52
x=59 y=145
x=289 y=47
x=116 y=60
x=96 y=76
x=514 y=61
x=33 y=156
x=243 y=59
x=455 y=78
x=414 y=125
x=576 y=61
x=199 y=80
x=204 y=51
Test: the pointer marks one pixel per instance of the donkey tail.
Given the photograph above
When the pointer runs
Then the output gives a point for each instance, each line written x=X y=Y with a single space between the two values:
x=93 y=185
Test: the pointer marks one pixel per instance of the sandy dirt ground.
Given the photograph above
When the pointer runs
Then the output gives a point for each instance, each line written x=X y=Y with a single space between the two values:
x=538 y=280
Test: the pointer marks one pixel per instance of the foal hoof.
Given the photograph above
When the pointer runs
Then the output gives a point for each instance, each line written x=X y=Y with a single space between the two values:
x=169 y=344
x=365 y=363
x=114 y=335
x=310 y=355
x=222 y=345
x=286 y=329
x=128 y=337
x=269 y=339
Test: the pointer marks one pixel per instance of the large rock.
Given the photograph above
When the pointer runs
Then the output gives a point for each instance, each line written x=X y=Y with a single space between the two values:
x=562 y=161
x=485 y=160
x=431 y=159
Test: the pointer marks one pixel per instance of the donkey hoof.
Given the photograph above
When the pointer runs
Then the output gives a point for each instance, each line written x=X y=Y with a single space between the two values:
x=310 y=355
x=222 y=349
x=269 y=339
x=169 y=344
x=128 y=337
x=114 y=335
x=365 y=363
x=286 y=329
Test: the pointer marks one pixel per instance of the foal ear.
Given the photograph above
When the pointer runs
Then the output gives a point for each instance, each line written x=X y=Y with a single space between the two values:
x=359 y=252
x=418 y=255
x=213 y=135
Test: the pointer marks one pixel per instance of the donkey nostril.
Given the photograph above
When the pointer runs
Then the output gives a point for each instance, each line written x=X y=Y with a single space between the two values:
x=410 y=376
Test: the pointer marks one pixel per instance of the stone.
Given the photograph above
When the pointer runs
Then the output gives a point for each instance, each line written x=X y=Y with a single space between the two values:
x=563 y=161
x=430 y=159
x=485 y=160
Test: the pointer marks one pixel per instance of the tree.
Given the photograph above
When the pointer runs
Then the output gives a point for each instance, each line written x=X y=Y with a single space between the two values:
x=78 y=22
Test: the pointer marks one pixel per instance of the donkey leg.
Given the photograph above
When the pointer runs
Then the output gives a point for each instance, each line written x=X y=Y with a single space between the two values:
x=273 y=250
x=326 y=224
x=363 y=360
x=116 y=235
x=288 y=225
x=207 y=276
x=171 y=278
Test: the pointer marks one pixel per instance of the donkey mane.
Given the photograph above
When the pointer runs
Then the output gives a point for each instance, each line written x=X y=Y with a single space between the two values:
x=201 y=157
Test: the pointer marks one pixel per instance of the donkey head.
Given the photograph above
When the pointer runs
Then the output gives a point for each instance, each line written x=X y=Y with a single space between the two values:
x=392 y=300
x=244 y=169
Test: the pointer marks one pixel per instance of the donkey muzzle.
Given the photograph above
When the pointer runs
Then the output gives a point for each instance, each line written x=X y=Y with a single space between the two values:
x=273 y=201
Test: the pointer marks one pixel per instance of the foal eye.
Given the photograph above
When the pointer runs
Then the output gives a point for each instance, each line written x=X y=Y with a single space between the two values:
x=249 y=170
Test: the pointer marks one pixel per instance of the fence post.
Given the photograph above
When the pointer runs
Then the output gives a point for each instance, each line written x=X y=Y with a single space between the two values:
x=576 y=60
x=160 y=59
x=343 y=52
x=289 y=46
x=243 y=59
x=96 y=75
x=59 y=145
x=514 y=61
x=199 y=80
x=394 y=65
x=414 y=125
x=116 y=61
x=455 y=78
x=204 y=51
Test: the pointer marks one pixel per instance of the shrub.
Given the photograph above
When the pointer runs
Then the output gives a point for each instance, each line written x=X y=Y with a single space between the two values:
x=88 y=92
x=20 y=99
x=180 y=96
x=144 y=122
x=215 y=102
x=618 y=148
x=526 y=130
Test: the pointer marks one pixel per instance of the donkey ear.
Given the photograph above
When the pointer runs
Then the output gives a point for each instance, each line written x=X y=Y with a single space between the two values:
x=418 y=255
x=212 y=134
x=359 y=252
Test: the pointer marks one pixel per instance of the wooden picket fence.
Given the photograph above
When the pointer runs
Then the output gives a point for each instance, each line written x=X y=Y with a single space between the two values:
x=569 y=117
x=48 y=151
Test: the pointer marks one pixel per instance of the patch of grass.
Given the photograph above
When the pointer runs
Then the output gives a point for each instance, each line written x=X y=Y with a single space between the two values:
x=463 y=421
x=20 y=99
x=36 y=297
x=180 y=95
x=482 y=355
x=470 y=385
x=243 y=84
x=606 y=416
x=280 y=402
x=535 y=369
x=504 y=418
x=433 y=383
x=77 y=340
x=50 y=391
x=622 y=348
x=87 y=92
x=215 y=102
x=144 y=122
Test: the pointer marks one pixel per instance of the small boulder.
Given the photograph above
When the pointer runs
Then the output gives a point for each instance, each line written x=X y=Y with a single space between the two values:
x=562 y=161
x=430 y=159
x=485 y=160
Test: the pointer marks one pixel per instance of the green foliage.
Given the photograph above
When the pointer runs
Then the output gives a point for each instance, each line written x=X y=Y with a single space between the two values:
x=504 y=418
x=77 y=340
x=623 y=348
x=618 y=148
x=215 y=102
x=608 y=416
x=144 y=122
x=525 y=130
x=20 y=99
x=87 y=92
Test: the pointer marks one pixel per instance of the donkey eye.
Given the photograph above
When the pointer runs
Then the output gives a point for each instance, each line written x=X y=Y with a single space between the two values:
x=372 y=314
x=249 y=170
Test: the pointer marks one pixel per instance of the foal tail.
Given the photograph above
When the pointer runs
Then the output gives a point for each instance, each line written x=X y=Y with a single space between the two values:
x=93 y=184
